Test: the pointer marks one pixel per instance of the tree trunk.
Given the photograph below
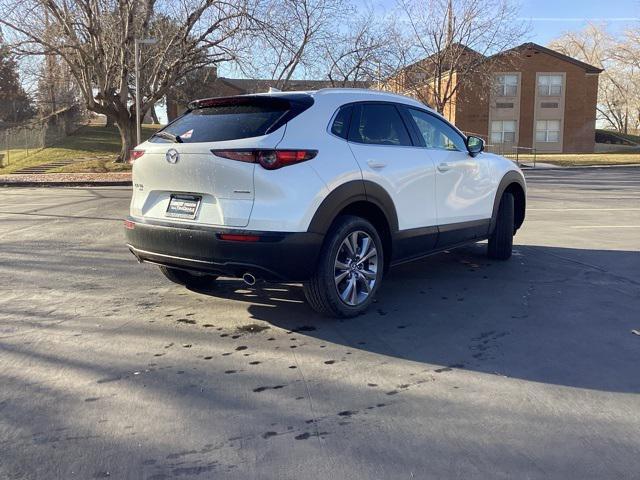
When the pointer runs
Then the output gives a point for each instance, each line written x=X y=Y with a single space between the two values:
x=127 y=128
x=154 y=115
x=110 y=121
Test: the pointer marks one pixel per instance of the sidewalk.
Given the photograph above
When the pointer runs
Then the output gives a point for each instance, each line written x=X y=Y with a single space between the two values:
x=66 y=180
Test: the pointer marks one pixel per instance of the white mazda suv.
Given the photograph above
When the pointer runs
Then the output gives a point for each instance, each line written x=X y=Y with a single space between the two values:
x=329 y=188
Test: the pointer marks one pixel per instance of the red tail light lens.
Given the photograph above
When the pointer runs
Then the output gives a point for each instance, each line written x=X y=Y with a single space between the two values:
x=268 y=159
x=248 y=156
x=129 y=225
x=135 y=154
x=231 y=237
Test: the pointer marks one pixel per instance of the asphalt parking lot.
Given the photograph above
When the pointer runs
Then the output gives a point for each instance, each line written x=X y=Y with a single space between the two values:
x=465 y=368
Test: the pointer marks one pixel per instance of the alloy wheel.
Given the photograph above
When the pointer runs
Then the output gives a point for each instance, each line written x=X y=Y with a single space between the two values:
x=356 y=268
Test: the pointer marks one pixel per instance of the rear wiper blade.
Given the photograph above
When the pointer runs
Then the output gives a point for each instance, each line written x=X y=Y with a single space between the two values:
x=168 y=136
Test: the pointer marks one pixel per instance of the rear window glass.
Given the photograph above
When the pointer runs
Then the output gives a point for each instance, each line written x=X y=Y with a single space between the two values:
x=226 y=122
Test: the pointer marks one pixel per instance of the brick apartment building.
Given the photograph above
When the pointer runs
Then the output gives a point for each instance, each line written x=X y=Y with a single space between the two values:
x=539 y=98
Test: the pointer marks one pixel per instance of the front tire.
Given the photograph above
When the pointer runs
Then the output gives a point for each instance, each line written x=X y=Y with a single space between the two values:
x=182 y=277
x=501 y=240
x=349 y=270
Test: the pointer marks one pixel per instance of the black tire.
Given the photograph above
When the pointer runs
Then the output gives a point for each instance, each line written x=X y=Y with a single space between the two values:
x=182 y=277
x=321 y=290
x=501 y=240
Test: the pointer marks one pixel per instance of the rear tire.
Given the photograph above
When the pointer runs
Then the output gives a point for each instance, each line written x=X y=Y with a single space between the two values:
x=182 y=277
x=349 y=270
x=501 y=240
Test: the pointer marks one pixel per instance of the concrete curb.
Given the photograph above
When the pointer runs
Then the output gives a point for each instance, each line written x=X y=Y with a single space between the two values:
x=114 y=183
x=579 y=167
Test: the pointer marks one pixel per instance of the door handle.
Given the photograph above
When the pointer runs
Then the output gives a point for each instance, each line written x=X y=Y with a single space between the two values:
x=376 y=165
x=444 y=167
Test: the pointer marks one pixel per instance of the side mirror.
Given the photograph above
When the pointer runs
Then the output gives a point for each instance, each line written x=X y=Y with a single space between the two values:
x=475 y=145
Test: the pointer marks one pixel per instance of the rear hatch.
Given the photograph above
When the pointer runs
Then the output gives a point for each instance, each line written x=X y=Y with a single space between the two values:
x=177 y=177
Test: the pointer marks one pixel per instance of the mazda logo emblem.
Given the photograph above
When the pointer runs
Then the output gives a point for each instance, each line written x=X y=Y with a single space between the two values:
x=172 y=156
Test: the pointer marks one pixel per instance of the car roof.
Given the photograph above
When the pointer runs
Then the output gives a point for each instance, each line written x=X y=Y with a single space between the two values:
x=345 y=95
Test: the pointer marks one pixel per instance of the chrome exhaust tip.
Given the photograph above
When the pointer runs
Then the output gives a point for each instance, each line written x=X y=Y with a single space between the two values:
x=249 y=279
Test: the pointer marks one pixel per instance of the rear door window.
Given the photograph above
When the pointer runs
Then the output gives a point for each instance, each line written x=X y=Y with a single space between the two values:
x=222 y=119
x=378 y=124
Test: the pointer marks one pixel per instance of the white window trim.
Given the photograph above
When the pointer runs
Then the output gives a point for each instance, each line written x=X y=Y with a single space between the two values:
x=502 y=131
x=548 y=86
x=546 y=131
x=501 y=88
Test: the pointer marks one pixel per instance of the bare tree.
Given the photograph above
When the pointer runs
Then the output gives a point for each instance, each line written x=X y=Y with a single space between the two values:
x=618 y=98
x=57 y=88
x=289 y=34
x=629 y=55
x=445 y=42
x=357 y=53
x=95 y=38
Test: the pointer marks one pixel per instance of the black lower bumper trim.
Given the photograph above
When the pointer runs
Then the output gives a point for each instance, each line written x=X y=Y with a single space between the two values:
x=277 y=256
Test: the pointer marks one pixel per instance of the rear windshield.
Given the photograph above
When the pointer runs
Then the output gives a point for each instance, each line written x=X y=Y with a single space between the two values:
x=228 y=120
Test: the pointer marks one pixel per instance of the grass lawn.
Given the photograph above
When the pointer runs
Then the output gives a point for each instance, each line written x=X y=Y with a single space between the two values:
x=97 y=146
x=584 y=159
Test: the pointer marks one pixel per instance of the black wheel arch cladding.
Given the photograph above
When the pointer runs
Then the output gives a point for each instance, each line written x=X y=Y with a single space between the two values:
x=513 y=183
x=347 y=194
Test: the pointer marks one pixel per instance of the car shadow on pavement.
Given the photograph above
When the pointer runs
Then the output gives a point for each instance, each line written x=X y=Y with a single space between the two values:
x=552 y=315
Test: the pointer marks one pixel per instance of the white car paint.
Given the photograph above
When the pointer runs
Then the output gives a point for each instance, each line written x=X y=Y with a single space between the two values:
x=428 y=187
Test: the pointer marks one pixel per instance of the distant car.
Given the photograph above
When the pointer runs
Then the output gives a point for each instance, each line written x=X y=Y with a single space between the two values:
x=329 y=188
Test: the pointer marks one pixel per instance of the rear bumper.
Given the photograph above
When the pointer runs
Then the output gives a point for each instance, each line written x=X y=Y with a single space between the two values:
x=276 y=256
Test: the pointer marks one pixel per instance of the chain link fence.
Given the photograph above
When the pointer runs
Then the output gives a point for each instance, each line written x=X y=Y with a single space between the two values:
x=21 y=141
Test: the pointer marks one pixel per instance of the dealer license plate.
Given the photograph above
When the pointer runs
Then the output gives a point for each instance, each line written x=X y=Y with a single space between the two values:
x=183 y=206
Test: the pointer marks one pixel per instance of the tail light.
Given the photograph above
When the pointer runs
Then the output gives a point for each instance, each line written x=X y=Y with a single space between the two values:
x=135 y=154
x=231 y=237
x=268 y=159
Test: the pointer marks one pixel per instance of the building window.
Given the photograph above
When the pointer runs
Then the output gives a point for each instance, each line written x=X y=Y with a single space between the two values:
x=503 y=131
x=549 y=85
x=507 y=85
x=548 y=131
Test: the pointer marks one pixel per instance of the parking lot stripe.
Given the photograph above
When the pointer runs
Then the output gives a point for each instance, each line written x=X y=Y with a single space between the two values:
x=583 y=209
x=605 y=226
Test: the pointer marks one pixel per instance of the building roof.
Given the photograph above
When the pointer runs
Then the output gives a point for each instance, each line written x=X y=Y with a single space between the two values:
x=423 y=63
x=255 y=85
x=456 y=49
x=534 y=46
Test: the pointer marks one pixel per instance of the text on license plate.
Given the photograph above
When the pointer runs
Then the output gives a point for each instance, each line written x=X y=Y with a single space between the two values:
x=183 y=206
